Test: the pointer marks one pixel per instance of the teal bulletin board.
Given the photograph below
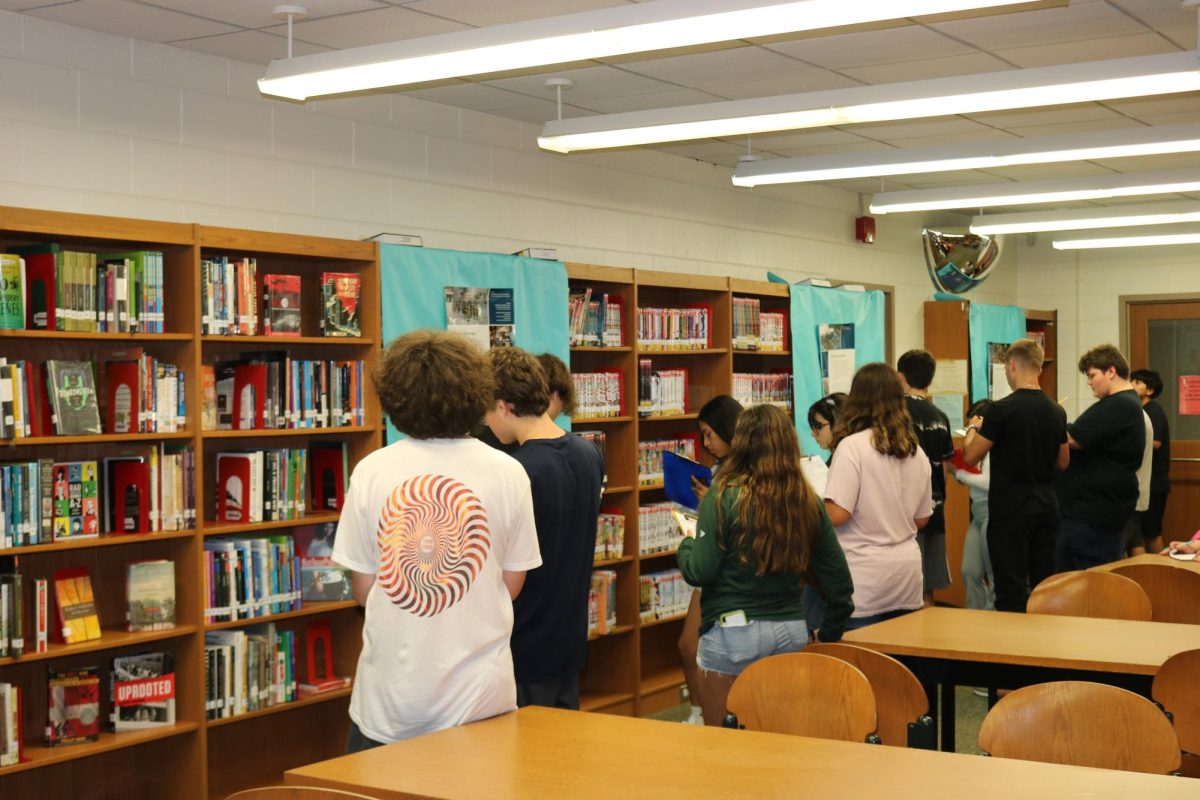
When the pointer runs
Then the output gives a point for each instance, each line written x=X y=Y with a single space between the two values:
x=988 y=324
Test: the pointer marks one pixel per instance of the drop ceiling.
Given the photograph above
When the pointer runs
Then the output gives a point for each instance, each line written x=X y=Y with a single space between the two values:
x=1082 y=30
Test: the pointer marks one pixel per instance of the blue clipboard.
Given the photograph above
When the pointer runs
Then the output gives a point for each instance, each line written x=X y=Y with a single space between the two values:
x=677 y=478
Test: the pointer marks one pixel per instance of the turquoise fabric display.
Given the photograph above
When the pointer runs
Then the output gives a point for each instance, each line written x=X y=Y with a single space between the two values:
x=818 y=305
x=987 y=324
x=413 y=291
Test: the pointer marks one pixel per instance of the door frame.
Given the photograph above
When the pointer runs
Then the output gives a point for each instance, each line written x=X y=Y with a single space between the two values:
x=1125 y=301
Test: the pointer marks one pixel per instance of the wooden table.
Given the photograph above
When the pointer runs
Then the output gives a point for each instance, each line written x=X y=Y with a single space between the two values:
x=1150 y=558
x=551 y=753
x=963 y=647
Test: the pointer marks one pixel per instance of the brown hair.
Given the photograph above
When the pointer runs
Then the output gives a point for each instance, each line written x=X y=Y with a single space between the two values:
x=433 y=384
x=559 y=381
x=1026 y=352
x=1103 y=356
x=917 y=367
x=520 y=380
x=775 y=500
x=876 y=402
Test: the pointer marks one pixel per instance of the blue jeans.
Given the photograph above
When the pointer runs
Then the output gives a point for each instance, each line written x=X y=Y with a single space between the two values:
x=730 y=649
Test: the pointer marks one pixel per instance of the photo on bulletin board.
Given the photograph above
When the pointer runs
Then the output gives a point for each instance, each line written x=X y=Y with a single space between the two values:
x=836 y=346
x=998 y=384
x=484 y=316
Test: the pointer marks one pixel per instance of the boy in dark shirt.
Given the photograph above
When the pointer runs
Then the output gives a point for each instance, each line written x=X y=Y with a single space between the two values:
x=1026 y=434
x=1148 y=385
x=549 y=639
x=916 y=368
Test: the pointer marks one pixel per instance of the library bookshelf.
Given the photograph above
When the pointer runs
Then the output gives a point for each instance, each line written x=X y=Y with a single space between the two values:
x=196 y=758
x=635 y=669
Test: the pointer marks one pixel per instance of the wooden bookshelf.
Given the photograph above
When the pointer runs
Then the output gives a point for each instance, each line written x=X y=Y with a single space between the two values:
x=195 y=759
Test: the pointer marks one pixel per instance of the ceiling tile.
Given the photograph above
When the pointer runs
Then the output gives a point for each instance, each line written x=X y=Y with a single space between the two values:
x=868 y=185
x=871 y=48
x=916 y=128
x=1152 y=163
x=475 y=96
x=768 y=87
x=1116 y=123
x=706 y=151
x=1168 y=18
x=591 y=83
x=1043 y=26
x=1156 y=106
x=473 y=12
x=951 y=139
x=1037 y=172
x=368 y=27
x=721 y=66
x=540 y=114
x=965 y=177
x=1187 y=117
x=257 y=13
x=1050 y=115
x=834 y=149
x=1049 y=55
x=928 y=68
x=254 y=47
x=24 y=5
x=131 y=19
x=810 y=138
x=641 y=102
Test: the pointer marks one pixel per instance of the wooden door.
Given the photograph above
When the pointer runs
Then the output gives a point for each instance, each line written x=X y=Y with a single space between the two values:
x=1164 y=335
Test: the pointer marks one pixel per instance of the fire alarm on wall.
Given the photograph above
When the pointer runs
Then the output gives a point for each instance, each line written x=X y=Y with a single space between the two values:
x=864 y=230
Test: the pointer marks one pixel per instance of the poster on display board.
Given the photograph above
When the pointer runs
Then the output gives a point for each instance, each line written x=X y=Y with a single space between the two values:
x=997 y=372
x=485 y=316
x=837 y=356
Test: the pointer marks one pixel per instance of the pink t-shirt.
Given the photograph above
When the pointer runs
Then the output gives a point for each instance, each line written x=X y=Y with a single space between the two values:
x=883 y=494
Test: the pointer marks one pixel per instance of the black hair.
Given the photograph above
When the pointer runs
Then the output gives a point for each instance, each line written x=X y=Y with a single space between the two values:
x=917 y=367
x=1149 y=377
x=721 y=414
x=979 y=409
x=827 y=407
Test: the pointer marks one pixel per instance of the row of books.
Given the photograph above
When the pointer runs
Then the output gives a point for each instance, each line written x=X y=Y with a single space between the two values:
x=755 y=329
x=47 y=288
x=269 y=485
x=12 y=728
x=250 y=576
x=248 y=669
x=658 y=532
x=12 y=611
x=663 y=594
x=595 y=322
x=599 y=394
x=663 y=392
x=229 y=300
x=272 y=390
x=610 y=535
x=602 y=602
x=650 y=456
x=228 y=296
x=674 y=328
x=753 y=389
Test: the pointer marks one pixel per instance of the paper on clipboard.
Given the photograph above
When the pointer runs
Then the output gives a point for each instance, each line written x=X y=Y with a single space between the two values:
x=686 y=521
x=816 y=472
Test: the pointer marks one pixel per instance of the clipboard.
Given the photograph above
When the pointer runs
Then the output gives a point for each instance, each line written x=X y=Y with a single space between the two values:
x=677 y=478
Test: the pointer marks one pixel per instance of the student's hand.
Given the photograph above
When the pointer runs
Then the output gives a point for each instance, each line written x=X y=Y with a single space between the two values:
x=958 y=475
x=1181 y=547
x=976 y=420
x=699 y=487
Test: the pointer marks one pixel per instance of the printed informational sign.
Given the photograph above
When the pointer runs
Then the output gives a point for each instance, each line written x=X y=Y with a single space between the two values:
x=483 y=315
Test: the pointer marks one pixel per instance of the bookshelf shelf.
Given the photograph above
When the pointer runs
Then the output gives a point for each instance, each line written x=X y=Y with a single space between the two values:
x=621 y=349
x=661 y=679
x=612 y=562
x=680 y=351
x=268 y=433
x=40 y=756
x=103 y=540
x=599 y=420
x=324 y=697
x=737 y=352
x=616 y=630
x=283 y=341
x=659 y=554
x=663 y=620
x=668 y=417
x=217 y=529
x=311 y=608
x=102 y=438
x=110 y=639
x=617 y=490
x=96 y=336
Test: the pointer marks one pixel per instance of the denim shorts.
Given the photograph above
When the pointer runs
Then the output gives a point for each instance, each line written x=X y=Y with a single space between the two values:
x=730 y=649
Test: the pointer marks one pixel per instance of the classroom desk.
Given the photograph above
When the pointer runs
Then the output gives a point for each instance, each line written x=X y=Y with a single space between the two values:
x=1150 y=558
x=552 y=753
x=963 y=647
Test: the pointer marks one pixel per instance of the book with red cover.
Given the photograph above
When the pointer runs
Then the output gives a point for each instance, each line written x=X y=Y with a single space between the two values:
x=39 y=286
x=340 y=294
x=126 y=494
x=123 y=395
x=73 y=706
x=957 y=462
x=709 y=326
x=327 y=475
x=318 y=648
x=249 y=396
x=233 y=488
x=44 y=419
x=281 y=305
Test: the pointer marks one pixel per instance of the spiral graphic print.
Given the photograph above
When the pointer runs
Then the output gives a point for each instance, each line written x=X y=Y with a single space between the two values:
x=433 y=541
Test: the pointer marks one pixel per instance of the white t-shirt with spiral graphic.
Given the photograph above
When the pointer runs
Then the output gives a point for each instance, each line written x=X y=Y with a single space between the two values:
x=436 y=521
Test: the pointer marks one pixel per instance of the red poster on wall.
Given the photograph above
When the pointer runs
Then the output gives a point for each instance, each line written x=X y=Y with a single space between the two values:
x=1189 y=395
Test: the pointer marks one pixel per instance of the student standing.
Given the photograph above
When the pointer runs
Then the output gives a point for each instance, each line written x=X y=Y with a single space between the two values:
x=1099 y=489
x=976 y=563
x=1025 y=437
x=761 y=529
x=879 y=495
x=549 y=639
x=916 y=368
x=1148 y=385
x=438 y=533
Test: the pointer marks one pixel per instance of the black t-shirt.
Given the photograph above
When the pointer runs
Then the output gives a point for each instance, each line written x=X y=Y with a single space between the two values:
x=933 y=433
x=1100 y=487
x=1160 y=464
x=488 y=437
x=1026 y=429
x=549 y=638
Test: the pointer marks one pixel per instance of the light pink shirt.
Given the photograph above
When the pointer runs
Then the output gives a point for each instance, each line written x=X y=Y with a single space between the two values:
x=884 y=495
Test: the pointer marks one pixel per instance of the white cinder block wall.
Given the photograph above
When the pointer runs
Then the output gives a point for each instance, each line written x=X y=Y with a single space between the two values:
x=104 y=124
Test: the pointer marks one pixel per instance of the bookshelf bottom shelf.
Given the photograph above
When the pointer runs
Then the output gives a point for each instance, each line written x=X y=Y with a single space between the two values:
x=40 y=756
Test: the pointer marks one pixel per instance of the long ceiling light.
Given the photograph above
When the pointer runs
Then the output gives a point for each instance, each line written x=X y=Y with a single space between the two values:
x=985 y=155
x=1055 y=190
x=660 y=25
x=1085 y=218
x=1127 y=241
x=992 y=91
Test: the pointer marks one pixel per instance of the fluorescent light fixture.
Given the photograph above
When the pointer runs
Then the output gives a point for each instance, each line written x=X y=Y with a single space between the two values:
x=986 y=155
x=961 y=94
x=1156 y=240
x=660 y=25
x=1055 y=190
x=1085 y=218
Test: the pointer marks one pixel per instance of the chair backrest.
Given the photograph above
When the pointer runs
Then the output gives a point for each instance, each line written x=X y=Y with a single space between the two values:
x=1083 y=724
x=1174 y=591
x=1176 y=689
x=804 y=694
x=899 y=698
x=1090 y=594
x=296 y=793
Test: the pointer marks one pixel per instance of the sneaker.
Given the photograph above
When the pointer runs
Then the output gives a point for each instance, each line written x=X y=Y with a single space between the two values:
x=695 y=718
x=979 y=691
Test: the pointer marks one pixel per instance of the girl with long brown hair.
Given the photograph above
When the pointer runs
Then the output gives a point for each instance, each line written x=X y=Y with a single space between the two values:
x=762 y=529
x=879 y=494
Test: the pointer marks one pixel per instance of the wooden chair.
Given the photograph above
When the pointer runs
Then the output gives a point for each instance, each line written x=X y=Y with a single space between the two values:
x=296 y=793
x=1083 y=724
x=804 y=694
x=1090 y=594
x=1174 y=591
x=900 y=701
x=1175 y=689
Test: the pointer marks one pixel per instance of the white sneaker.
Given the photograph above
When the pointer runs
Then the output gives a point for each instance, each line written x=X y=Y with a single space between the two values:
x=979 y=691
x=696 y=717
